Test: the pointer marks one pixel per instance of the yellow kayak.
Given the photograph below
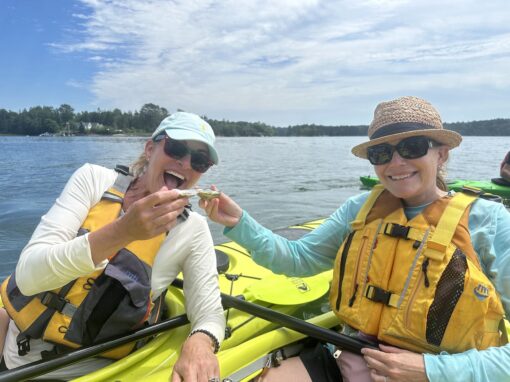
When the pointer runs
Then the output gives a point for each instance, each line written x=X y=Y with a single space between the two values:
x=251 y=341
x=250 y=337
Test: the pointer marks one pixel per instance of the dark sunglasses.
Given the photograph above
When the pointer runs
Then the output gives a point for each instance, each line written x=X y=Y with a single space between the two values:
x=408 y=148
x=200 y=161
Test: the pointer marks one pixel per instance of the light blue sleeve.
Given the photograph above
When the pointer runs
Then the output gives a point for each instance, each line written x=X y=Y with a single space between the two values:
x=489 y=225
x=313 y=253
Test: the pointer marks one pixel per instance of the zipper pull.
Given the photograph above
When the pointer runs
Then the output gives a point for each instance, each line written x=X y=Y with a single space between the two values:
x=424 y=266
x=337 y=353
x=353 y=297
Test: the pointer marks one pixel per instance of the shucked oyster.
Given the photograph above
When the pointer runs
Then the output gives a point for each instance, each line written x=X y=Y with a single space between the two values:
x=206 y=194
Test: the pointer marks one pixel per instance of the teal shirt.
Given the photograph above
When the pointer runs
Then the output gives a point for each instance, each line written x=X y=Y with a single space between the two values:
x=489 y=225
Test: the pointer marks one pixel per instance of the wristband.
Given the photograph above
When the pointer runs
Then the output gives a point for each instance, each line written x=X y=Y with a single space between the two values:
x=211 y=336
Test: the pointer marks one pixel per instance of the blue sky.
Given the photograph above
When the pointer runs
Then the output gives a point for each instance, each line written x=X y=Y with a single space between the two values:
x=277 y=61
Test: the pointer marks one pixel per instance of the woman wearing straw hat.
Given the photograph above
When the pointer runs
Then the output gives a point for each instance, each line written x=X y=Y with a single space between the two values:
x=422 y=272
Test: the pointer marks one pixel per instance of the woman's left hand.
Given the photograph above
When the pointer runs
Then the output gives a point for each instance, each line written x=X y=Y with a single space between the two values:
x=393 y=364
x=197 y=362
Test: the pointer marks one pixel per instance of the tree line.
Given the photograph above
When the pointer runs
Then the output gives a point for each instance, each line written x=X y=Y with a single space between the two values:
x=65 y=121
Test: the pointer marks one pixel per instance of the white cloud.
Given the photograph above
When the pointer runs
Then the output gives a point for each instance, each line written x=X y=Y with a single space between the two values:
x=293 y=61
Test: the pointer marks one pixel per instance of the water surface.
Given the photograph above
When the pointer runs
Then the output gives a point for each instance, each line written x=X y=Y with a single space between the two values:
x=279 y=180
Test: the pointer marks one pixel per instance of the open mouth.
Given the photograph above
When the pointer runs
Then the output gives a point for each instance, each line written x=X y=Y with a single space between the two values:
x=173 y=180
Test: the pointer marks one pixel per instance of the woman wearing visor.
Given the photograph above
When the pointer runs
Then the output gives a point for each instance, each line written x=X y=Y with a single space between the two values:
x=419 y=270
x=101 y=259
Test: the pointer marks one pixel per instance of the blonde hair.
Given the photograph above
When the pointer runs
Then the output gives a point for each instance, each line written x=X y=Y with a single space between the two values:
x=139 y=166
x=441 y=178
x=441 y=174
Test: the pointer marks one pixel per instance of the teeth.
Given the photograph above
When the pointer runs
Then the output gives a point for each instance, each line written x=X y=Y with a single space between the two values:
x=400 y=177
x=181 y=177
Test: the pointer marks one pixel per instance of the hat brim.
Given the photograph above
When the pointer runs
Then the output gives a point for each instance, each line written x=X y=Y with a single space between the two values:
x=186 y=135
x=446 y=137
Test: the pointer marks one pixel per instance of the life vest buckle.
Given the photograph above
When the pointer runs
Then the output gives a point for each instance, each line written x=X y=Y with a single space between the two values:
x=53 y=301
x=23 y=343
x=396 y=230
x=377 y=294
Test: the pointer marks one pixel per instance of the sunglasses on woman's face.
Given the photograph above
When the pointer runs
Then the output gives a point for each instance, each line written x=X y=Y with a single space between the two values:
x=408 y=148
x=200 y=161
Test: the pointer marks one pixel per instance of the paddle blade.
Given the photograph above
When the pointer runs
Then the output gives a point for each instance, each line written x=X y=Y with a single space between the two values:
x=282 y=290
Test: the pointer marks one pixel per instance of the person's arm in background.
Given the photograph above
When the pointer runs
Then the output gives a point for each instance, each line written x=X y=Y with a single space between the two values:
x=313 y=253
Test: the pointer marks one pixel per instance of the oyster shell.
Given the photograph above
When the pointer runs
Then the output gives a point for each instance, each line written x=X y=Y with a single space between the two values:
x=206 y=194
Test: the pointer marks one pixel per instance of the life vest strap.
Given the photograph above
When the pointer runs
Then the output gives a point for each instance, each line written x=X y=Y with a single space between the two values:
x=56 y=351
x=116 y=192
x=367 y=206
x=376 y=294
x=504 y=333
x=445 y=229
x=124 y=170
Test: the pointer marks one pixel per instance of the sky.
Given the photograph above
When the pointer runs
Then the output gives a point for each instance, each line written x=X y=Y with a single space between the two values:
x=281 y=62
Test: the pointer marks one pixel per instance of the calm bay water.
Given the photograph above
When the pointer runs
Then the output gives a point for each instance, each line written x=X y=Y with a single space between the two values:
x=280 y=181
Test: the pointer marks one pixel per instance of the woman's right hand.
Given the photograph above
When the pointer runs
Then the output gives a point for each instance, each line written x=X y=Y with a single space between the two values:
x=146 y=218
x=222 y=210
x=152 y=215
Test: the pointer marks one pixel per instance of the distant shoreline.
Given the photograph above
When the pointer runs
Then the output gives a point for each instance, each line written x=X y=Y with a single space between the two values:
x=63 y=121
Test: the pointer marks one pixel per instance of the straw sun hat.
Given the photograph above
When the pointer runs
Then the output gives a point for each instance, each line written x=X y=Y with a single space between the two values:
x=406 y=117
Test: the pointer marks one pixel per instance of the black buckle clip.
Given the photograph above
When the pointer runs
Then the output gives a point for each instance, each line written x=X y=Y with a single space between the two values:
x=396 y=230
x=377 y=294
x=53 y=301
x=23 y=345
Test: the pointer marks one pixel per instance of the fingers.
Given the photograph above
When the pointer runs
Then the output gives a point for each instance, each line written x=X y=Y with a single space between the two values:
x=160 y=197
x=175 y=377
x=377 y=377
x=197 y=363
x=377 y=361
x=152 y=215
x=210 y=207
x=392 y=349
x=395 y=364
x=376 y=364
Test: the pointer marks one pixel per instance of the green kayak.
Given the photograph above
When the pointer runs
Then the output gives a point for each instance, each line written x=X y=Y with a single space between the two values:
x=494 y=186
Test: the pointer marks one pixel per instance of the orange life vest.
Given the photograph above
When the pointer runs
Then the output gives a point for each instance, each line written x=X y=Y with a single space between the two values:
x=416 y=284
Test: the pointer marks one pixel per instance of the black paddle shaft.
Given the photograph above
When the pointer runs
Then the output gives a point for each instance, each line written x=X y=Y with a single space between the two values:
x=342 y=341
x=45 y=366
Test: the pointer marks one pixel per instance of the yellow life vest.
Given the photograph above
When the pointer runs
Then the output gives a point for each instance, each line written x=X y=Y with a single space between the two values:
x=101 y=305
x=416 y=284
